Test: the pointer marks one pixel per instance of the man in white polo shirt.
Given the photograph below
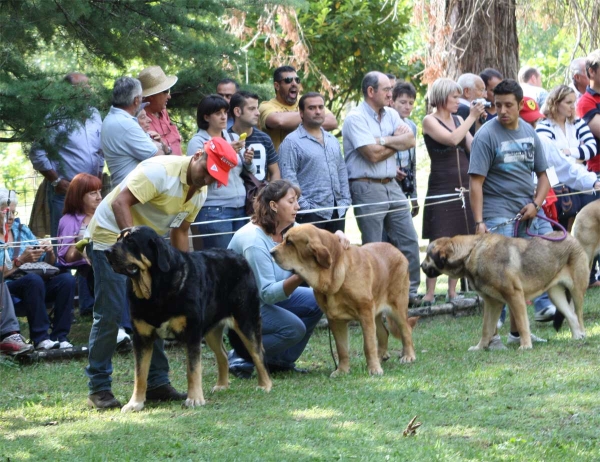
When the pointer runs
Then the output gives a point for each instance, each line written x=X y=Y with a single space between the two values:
x=166 y=194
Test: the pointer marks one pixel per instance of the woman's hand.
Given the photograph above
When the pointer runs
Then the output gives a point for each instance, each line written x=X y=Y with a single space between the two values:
x=343 y=239
x=154 y=135
x=237 y=145
x=477 y=110
x=31 y=254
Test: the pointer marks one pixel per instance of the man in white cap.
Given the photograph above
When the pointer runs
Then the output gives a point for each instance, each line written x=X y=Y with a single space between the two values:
x=156 y=90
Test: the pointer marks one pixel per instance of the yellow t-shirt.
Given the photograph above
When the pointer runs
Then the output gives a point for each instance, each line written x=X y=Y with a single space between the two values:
x=269 y=107
x=159 y=183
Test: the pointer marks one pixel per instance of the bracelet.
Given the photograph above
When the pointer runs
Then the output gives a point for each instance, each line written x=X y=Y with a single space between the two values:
x=537 y=207
x=477 y=223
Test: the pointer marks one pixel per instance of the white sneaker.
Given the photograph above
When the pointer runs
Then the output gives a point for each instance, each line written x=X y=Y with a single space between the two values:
x=545 y=314
x=122 y=336
x=499 y=324
x=47 y=345
x=65 y=344
x=517 y=339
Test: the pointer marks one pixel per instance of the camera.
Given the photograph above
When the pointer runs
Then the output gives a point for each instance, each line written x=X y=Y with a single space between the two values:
x=483 y=101
x=408 y=182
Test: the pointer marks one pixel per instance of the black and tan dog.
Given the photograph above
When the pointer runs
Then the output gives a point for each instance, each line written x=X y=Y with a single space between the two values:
x=512 y=270
x=361 y=283
x=187 y=296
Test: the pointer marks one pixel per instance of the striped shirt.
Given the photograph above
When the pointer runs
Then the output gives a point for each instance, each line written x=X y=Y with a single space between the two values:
x=160 y=184
x=578 y=138
x=318 y=169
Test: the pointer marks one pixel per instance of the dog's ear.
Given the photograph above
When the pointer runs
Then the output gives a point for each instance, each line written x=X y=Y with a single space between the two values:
x=439 y=254
x=124 y=232
x=162 y=253
x=321 y=254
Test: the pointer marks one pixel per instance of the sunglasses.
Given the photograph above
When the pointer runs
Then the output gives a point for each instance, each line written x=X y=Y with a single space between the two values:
x=289 y=80
x=167 y=92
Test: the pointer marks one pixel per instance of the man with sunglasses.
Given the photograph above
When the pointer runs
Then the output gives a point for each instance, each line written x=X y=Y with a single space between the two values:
x=279 y=116
x=156 y=90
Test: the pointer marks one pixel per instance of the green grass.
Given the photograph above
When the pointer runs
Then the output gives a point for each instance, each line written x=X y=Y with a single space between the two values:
x=509 y=405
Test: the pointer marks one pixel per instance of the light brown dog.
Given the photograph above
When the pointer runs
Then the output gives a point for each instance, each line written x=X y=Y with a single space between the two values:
x=512 y=270
x=587 y=229
x=359 y=283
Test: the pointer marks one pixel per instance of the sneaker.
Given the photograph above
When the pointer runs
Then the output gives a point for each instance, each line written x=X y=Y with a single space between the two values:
x=103 y=400
x=517 y=339
x=545 y=314
x=15 y=344
x=165 y=393
x=47 y=345
x=65 y=344
x=496 y=343
x=500 y=323
x=122 y=336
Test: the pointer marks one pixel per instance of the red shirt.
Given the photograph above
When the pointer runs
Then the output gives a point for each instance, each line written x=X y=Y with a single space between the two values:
x=167 y=130
x=588 y=107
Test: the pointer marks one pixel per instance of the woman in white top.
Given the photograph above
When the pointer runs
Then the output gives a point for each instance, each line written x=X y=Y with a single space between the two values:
x=571 y=136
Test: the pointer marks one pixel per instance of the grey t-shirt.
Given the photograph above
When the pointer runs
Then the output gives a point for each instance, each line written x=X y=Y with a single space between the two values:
x=507 y=159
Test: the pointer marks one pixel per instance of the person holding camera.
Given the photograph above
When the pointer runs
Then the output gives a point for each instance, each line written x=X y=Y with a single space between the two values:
x=448 y=141
x=311 y=158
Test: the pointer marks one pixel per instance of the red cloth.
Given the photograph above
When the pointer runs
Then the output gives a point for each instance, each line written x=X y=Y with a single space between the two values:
x=167 y=130
x=550 y=205
x=588 y=107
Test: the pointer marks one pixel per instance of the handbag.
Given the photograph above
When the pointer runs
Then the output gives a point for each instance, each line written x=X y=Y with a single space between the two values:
x=41 y=268
x=253 y=186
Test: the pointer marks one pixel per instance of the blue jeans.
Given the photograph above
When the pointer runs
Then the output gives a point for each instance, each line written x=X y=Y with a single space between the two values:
x=8 y=319
x=56 y=203
x=111 y=298
x=33 y=293
x=538 y=227
x=287 y=327
x=219 y=213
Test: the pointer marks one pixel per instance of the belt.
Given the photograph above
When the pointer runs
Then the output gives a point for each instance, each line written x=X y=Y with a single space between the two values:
x=373 y=180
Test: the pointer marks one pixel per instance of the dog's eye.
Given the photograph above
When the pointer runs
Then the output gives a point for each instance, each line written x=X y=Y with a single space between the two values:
x=287 y=241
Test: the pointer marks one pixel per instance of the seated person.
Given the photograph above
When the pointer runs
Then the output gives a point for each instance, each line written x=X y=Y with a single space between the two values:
x=11 y=340
x=289 y=312
x=31 y=290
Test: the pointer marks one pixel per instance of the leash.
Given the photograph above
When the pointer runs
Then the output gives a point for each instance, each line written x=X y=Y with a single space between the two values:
x=331 y=348
x=548 y=238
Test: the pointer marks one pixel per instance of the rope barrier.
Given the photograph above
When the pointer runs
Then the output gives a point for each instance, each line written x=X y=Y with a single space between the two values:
x=458 y=196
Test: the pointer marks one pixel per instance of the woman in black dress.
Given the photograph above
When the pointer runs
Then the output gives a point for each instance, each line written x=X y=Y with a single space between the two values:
x=448 y=141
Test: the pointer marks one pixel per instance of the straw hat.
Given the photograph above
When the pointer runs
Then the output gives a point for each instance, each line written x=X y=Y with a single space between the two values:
x=154 y=80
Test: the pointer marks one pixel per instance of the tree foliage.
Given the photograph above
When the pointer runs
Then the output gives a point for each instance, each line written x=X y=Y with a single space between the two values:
x=104 y=38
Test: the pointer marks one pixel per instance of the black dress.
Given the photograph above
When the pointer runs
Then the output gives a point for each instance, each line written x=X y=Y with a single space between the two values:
x=449 y=170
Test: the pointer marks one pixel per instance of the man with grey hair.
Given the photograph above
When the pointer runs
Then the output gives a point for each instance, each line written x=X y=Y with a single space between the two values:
x=580 y=80
x=473 y=88
x=531 y=83
x=124 y=143
x=373 y=133
x=81 y=152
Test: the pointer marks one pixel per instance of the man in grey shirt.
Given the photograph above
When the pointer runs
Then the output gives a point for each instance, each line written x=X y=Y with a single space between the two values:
x=124 y=143
x=311 y=158
x=504 y=154
x=373 y=133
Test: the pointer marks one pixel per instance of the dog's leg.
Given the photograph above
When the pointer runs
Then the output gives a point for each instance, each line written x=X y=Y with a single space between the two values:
x=559 y=298
x=382 y=338
x=254 y=347
x=194 y=375
x=399 y=327
x=518 y=311
x=142 y=353
x=370 y=343
x=491 y=313
x=339 y=329
x=214 y=339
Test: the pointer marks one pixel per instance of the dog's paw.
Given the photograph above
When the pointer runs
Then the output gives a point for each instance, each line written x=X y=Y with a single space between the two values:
x=526 y=347
x=338 y=372
x=579 y=336
x=219 y=388
x=266 y=388
x=375 y=370
x=194 y=402
x=475 y=348
x=384 y=357
x=132 y=406
x=408 y=358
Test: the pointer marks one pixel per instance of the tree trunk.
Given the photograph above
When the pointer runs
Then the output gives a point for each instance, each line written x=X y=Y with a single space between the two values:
x=470 y=35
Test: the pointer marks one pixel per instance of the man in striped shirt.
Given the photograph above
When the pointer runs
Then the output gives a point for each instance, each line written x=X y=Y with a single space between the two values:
x=311 y=158
x=165 y=193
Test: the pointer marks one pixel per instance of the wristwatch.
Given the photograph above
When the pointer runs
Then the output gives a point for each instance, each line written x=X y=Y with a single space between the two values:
x=54 y=184
x=382 y=141
x=537 y=207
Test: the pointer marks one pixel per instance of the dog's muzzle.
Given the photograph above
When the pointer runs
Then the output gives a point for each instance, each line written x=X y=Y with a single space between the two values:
x=429 y=270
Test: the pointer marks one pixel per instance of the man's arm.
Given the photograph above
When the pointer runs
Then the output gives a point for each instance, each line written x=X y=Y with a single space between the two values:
x=283 y=120
x=273 y=172
x=378 y=152
x=476 y=199
x=594 y=125
x=180 y=237
x=330 y=122
x=543 y=186
x=121 y=207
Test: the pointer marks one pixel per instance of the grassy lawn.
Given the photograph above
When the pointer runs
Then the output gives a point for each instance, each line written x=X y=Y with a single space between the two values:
x=509 y=405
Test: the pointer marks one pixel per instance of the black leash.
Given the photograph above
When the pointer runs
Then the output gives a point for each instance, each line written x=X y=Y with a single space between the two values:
x=331 y=348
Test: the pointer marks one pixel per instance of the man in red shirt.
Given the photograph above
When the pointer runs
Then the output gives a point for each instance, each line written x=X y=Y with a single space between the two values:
x=156 y=90
x=588 y=106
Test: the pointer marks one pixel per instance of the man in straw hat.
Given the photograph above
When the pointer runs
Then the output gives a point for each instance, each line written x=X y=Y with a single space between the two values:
x=156 y=90
x=165 y=193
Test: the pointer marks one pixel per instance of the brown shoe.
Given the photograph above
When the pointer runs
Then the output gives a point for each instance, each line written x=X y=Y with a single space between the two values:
x=165 y=393
x=103 y=400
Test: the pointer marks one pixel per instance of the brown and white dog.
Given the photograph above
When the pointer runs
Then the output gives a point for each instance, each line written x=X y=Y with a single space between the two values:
x=360 y=283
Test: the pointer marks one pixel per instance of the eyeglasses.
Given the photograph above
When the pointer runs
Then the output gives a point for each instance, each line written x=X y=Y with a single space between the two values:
x=289 y=80
x=10 y=213
x=167 y=92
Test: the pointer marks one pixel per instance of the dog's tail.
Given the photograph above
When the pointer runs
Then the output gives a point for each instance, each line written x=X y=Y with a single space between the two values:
x=236 y=343
x=395 y=329
x=559 y=318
